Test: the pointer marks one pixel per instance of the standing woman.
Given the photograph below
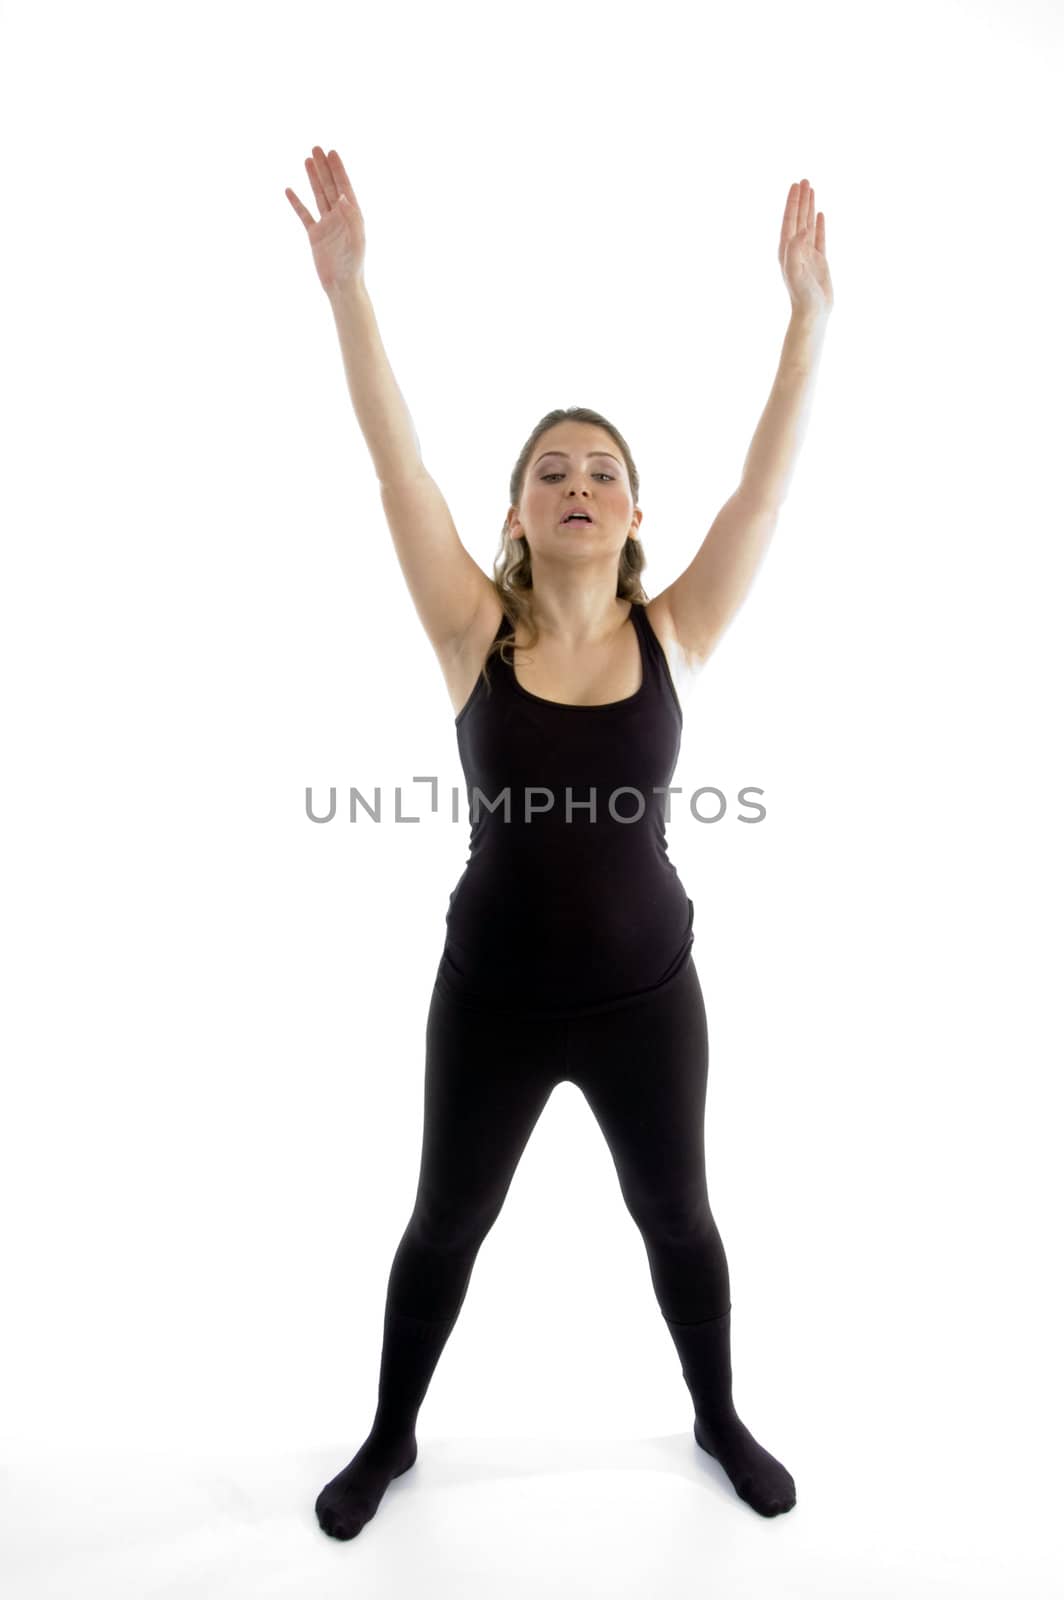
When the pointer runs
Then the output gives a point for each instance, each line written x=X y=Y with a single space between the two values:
x=568 y=953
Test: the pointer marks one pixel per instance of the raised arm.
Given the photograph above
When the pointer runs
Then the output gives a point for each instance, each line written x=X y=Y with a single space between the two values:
x=446 y=584
x=701 y=602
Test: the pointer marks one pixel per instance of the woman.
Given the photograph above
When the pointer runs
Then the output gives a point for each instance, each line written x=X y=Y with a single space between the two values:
x=568 y=954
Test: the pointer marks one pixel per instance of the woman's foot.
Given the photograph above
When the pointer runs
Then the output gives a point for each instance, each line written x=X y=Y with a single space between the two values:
x=757 y=1477
x=348 y=1502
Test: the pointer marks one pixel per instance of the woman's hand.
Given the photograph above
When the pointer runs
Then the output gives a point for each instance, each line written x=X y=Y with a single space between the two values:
x=338 y=240
x=802 y=258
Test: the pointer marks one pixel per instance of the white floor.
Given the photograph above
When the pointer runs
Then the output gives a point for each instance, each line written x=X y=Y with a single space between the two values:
x=517 y=1518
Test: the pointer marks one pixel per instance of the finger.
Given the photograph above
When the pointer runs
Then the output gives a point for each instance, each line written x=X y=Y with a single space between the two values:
x=315 y=183
x=820 y=232
x=790 y=212
x=300 y=209
x=343 y=181
x=328 y=182
x=796 y=208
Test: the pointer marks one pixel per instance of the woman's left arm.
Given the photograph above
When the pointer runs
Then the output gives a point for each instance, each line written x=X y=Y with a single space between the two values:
x=704 y=598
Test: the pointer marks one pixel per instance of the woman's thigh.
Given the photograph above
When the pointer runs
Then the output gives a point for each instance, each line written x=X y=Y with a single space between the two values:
x=643 y=1069
x=486 y=1083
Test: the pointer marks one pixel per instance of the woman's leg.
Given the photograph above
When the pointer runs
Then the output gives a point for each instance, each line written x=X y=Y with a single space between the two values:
x=486 y=1082
x=643 y=1069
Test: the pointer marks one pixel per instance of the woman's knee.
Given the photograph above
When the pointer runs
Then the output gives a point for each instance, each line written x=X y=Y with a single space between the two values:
x=453 y=1223
x=672 y=1219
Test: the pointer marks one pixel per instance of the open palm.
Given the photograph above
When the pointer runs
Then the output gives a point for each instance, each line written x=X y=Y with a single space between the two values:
x=801 y=254
x=338 y=237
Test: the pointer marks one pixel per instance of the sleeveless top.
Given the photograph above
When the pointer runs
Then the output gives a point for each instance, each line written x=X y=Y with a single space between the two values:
x=568 y=903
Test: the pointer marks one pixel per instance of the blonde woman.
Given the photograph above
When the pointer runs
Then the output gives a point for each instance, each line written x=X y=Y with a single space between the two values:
x=568 y=952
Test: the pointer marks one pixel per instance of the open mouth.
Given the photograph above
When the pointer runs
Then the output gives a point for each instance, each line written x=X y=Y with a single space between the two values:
x=576 y=516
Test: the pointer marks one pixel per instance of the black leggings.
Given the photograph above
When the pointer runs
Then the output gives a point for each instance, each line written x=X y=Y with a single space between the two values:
x=642 y=1066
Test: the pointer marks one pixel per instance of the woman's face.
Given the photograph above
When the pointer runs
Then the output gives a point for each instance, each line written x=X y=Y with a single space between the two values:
x=575 y=466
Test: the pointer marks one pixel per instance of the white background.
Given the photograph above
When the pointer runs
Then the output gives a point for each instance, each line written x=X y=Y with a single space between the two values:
x=214 y=1015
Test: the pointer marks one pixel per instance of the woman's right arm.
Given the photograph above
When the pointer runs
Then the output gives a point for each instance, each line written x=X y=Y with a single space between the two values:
x=446 y=584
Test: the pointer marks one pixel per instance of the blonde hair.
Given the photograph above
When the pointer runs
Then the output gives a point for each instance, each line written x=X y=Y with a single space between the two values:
x=512 y=567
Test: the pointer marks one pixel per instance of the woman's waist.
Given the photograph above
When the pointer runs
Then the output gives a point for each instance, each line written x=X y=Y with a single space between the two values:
x=563 y=964
x=587 y=889
x=519 y=992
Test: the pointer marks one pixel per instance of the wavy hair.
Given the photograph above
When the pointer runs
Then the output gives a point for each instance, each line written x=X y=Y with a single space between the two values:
x=512 y=567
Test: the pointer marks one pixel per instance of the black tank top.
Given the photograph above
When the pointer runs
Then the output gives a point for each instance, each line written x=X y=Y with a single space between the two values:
x=562 y=909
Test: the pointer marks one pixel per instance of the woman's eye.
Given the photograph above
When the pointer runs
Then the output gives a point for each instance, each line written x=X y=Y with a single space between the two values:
x=547 y=476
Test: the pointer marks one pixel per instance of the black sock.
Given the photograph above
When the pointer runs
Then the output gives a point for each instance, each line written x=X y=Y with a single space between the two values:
x=412 y=1346
x=705 y=1356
